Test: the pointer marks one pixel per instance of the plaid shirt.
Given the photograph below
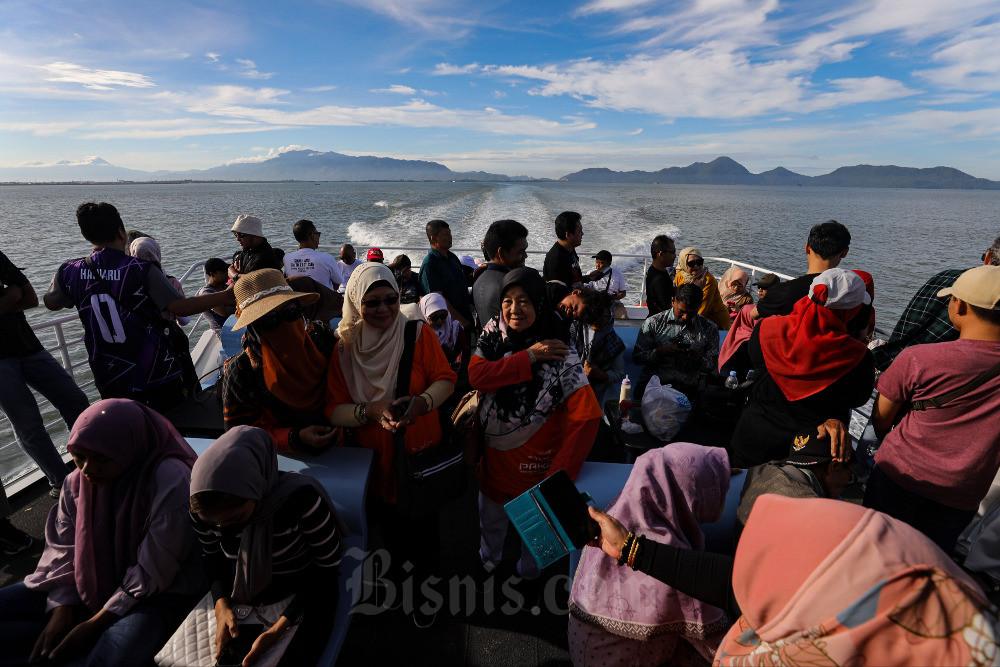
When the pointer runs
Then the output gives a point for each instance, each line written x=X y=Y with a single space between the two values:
x=925 y=320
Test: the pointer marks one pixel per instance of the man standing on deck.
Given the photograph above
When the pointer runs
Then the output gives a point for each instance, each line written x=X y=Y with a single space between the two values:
x=442 y=272
x=257 y=253
x=308 y=261
x=925 y=319
x=120 y=300
x=827 y=245
x=348 y=262
x=561 y=270
x=25 y=363
x=659 y=282
x=934 y=468
x=506 y=246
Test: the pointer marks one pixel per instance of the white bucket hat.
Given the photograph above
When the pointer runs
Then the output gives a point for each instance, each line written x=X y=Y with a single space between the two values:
x=248 y=224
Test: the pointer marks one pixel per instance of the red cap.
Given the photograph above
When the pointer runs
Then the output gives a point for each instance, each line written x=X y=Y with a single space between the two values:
x=376 y=254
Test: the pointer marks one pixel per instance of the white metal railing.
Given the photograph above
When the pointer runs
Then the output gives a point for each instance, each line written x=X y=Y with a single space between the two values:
x=66 y=345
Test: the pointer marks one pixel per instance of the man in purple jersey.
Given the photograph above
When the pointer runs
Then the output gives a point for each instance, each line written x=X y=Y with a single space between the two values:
x=120 y=300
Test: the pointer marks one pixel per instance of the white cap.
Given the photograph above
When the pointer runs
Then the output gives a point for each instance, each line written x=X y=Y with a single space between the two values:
x=839 y=289
x=248 y=224
x=467 y=260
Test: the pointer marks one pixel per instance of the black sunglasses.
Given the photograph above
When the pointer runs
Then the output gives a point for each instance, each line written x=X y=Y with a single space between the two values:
x=375 y=303
x=240 y=235
x=273 y=320
x=696 y=262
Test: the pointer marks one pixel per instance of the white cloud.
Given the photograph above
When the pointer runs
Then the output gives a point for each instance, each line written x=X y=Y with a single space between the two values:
x=271 y=153
x=499 y=94
x=636 y=132
x=441 y=17
x=611 y=5
x=214 y=57
x=396 y=89
x=970 y=62
x=444 y=69
x=250 y=70
x=320 y=89
x=96 y=79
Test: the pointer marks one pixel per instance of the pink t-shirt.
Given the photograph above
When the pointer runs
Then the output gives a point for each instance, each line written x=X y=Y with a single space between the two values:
x=949 y=454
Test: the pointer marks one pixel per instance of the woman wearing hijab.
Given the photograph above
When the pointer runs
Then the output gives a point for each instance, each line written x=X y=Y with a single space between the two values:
x=808 y=368
x=361 y=387
x=120 y=568
x=601 y=349
x=278 y=381
x=266 y=536
x=539 y=414
x=619 y=617
x=823 y=582
x=452 y=336
x=691 y=269
x=147 y=249
x=733 y=290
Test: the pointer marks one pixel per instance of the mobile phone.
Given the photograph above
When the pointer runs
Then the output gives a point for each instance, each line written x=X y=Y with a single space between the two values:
x=568 y=506
x=399 y=410
x=236 y=649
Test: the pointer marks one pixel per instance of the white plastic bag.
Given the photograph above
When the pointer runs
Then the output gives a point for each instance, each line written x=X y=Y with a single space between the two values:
x=664 y=409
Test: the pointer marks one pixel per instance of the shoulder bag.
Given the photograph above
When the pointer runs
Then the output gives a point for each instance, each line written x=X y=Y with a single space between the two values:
x=427 y=479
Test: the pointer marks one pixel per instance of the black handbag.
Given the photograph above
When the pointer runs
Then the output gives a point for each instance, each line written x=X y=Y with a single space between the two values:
x=427 y=479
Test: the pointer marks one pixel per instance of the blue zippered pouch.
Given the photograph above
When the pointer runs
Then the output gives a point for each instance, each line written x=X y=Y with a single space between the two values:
x=551 y=518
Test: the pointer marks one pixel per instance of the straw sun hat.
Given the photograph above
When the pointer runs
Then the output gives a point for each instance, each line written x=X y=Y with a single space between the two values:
x=259 y=292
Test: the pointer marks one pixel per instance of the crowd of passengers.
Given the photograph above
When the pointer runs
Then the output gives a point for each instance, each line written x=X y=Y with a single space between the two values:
x=368 y=354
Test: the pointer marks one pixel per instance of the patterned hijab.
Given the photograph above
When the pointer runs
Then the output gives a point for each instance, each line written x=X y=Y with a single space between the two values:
x=682 y=267
x=111 y=519
x=516 y=412
x=243 y=462
x=824 y=582
x=447 y=333
x=670 y=492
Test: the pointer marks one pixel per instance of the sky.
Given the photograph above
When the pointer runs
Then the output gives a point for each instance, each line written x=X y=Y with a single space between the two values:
x=539 y=88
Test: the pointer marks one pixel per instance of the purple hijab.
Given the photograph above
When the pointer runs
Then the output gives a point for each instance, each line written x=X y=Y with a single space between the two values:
x=243 y=462
x=111 y=519
x=669 y=492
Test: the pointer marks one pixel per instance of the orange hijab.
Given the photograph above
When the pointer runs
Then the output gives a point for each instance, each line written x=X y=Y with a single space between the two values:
x=294 y=369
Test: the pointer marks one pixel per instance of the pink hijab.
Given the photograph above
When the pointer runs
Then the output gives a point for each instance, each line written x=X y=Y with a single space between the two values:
x=824 y=582
x=669 y=492
x=111 y=519
x=738 y=334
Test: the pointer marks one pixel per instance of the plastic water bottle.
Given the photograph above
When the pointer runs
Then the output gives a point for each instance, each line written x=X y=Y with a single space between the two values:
x=625 y=398
x=750 y=375
x=732 y=381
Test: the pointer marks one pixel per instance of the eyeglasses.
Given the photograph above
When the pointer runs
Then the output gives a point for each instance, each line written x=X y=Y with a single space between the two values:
x=696 y=262
x=438 y=317
x=316 y=233
x=273 y=320
x=241 y=235
x=375 y=303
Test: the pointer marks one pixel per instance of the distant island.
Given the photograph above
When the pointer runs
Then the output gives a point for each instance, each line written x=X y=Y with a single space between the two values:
x=310 y=165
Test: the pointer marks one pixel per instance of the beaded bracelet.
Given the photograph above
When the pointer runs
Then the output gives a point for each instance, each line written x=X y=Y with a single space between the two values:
x=361 y=413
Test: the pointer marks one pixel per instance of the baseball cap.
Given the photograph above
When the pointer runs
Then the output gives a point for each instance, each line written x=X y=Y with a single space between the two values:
x=808 y=450
x=374 y=254
x=467 y=260
x=839 y=289
x=979 y=286
x=603 y=255
x=767 y=281
x=248 y=224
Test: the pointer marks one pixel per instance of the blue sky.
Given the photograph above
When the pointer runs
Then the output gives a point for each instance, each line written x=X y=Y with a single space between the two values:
x=538 y=88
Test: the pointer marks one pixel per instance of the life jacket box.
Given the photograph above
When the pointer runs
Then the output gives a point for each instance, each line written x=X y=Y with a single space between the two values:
x=552 y=518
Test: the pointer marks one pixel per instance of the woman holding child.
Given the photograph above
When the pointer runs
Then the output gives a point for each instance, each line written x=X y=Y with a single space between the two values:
x=120 y=569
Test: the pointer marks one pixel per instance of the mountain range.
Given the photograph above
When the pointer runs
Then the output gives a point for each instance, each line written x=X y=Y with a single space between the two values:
x=310 y=165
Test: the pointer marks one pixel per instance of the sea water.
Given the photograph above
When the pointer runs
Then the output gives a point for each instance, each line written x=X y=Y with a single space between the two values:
x=901 y=237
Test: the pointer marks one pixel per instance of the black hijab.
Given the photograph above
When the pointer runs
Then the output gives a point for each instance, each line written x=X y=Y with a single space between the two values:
x=548 y=323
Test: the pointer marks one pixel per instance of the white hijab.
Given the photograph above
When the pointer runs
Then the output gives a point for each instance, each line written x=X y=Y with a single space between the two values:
x=369 y=357
x=448 y=333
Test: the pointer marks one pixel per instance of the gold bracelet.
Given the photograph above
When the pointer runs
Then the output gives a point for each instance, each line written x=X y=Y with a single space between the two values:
x=633 y=552
x=621 y=551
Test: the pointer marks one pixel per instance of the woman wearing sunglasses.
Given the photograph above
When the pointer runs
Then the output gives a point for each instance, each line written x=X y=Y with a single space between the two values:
x=277 y=382
x=361 y=394
x=691 y=269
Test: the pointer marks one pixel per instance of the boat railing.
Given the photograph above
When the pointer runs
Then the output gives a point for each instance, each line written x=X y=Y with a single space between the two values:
x=67 y=332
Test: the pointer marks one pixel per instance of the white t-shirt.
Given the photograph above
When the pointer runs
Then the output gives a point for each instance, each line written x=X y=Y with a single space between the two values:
x=615 y=285
x=319 y=266
x=346 y=270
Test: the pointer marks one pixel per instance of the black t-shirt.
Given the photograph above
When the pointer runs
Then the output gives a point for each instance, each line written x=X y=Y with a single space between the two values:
x=261 y=257
x=659 y=290
x=16 y=337
x=770 y=421
x=780 y=299
x=562 y=265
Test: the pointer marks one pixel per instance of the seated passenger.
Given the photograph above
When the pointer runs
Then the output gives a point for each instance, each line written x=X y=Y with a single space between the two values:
x=453 y=337
x=620 y=617
x=808 y=369
x=808 y=471
x=410 y=289
x=862 y=326
x=818 y=581
x=361 y=394
x=733 y=290
x=691 y=270
x=216 y=275
x=601 y=349
x=120 y=569
x=539 y=414
x=277 y=381
x=735 y=354
x=677 y=345
x=267 y=536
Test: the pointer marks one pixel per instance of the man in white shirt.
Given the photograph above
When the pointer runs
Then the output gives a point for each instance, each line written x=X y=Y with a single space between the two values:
x=308 y=261
x=348 y=262
x=606 y=278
